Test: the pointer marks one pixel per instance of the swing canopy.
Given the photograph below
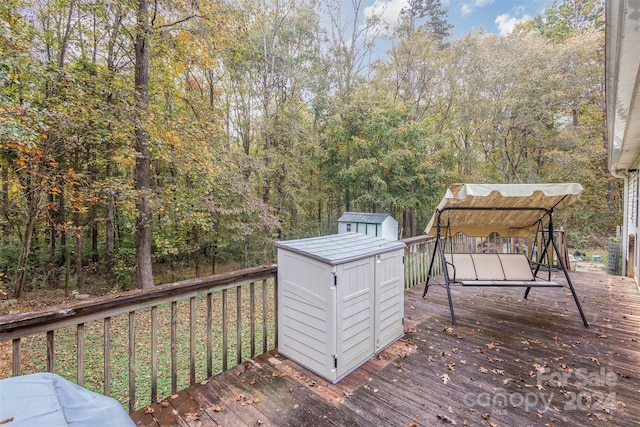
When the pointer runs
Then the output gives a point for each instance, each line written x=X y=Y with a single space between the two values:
x=511 y=210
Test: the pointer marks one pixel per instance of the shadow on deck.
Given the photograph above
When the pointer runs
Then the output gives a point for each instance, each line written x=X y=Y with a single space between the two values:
x=508 y=362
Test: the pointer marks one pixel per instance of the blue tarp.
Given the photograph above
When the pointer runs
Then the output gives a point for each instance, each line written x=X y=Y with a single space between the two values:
x=46 y=399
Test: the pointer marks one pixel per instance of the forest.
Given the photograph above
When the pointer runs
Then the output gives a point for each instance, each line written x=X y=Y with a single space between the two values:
x=140 y=136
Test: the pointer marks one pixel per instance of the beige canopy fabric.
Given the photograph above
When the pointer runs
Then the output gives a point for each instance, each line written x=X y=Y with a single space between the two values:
x=511 y=210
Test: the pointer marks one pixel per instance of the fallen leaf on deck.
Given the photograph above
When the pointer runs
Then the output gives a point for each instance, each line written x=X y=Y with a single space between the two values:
x=450 y=365
x=217 y=409
x=173 y=396
x=256 y=399
x=164 y=404
x=296 y=406
x=348 y=394
x=483 y=370
x=445 y=378
x=148 y=410
x=204 y=382
x=412 y=425
x=192 y=416
x=600 y=416
x=274 y=374
x=446 y=419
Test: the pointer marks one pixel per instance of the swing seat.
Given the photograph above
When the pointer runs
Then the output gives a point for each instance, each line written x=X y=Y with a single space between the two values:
x=493 y=269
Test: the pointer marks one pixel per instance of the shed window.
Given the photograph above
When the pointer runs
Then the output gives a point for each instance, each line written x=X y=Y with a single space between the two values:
x=348 y=227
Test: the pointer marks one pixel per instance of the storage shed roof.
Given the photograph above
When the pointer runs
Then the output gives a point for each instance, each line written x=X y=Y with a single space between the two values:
x=368 y=218
x=340 y=248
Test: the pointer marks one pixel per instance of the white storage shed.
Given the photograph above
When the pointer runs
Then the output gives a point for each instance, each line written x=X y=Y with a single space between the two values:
x=340 y=299
x=372 y=224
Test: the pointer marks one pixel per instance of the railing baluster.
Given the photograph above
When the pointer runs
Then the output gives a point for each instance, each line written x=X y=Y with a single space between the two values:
x=107 y=356
x=238 y=325
x=80 y=354
x=154 y=353
x=252 y=318
x=264 y=315
x=192 y=340
x=50 y=351
x=132 y=361
x=208 y=339
x=16 y=357
x=174 y=349
x=224 y=330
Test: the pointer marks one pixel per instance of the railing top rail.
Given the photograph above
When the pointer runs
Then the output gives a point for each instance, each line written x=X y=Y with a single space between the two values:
x=19 y=324
x=418 y=239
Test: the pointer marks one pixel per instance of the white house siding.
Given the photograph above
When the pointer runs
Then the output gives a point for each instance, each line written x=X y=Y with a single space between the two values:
x=632 y=219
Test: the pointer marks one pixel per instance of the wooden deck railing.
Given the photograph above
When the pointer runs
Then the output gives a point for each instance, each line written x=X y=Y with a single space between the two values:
x=419 y=252
x=194 y=318
x=144 y=344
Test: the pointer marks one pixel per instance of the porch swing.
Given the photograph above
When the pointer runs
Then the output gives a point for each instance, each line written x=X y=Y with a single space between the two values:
x=510 y=210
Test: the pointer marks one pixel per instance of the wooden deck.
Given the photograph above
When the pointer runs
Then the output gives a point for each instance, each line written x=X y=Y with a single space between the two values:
x=508 y=362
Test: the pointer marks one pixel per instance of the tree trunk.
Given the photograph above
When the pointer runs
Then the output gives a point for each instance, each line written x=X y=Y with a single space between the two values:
x=77 y=234
x=34 y=202
x=109 y=261
x=196 y=244
x=144 y=272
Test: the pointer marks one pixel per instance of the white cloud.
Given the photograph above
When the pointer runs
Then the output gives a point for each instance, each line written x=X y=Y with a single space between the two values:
x=506 y=22
x=387 y=10
x=469 y=7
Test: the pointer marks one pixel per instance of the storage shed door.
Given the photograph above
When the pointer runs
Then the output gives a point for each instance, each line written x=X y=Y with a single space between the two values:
x=389 y=284
x=355 y=314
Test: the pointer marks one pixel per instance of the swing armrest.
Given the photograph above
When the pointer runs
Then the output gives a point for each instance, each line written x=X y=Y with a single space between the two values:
x=538 y=266
x=454 y=269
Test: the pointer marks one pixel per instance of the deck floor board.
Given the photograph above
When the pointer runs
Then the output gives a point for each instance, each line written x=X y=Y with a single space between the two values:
x=509 y=361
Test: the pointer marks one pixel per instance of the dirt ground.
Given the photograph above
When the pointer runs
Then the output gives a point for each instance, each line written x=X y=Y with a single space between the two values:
x=590 y=266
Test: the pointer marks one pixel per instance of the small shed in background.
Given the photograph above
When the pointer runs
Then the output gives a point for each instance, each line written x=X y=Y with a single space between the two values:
x=340 y=299
x=372 y=224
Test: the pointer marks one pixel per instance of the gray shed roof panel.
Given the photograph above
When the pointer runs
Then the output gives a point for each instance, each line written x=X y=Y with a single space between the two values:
x=368 y=218
x=340 y=248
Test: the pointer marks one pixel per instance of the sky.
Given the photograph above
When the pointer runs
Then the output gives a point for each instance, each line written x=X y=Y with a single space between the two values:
x=494 y=16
